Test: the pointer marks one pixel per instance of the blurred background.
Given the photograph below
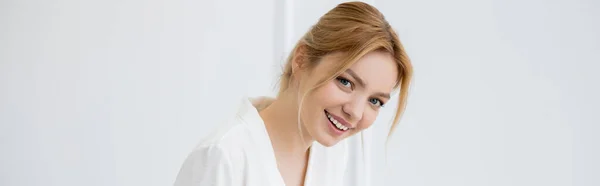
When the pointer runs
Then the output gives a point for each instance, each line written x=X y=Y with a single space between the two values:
x=119 y=92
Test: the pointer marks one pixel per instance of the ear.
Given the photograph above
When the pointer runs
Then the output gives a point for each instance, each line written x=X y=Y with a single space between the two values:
x=300 y=59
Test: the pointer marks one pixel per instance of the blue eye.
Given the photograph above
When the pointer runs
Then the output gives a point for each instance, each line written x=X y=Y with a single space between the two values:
x=345 y=82
x=376 y=102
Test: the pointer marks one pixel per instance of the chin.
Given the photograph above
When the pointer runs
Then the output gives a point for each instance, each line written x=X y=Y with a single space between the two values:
x=328 y=142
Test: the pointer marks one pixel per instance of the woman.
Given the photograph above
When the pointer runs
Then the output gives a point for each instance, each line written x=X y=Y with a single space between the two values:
x=339 y=75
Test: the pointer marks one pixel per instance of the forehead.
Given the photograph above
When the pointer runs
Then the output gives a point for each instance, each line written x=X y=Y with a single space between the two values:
x=378 y=70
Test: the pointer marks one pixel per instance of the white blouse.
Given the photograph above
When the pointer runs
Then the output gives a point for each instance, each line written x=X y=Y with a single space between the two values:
x=240 y=153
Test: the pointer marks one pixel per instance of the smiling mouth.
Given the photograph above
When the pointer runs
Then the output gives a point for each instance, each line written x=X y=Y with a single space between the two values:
x=338 y=125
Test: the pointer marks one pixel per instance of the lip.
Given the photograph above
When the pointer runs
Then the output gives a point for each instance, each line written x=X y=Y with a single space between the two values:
x=341 y=120
x=334 y=130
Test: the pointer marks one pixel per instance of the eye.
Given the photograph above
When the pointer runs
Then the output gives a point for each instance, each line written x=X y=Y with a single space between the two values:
x=376 y=102
x=345 y=82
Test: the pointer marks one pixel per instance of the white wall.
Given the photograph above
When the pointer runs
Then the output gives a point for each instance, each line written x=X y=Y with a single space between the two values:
x=505 y=93
x=118 y=92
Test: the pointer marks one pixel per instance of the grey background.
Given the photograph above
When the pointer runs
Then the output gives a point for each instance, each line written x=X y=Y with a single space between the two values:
x=119 y=92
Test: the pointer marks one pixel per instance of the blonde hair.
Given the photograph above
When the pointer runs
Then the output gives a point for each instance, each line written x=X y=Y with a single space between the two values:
x=355 y=29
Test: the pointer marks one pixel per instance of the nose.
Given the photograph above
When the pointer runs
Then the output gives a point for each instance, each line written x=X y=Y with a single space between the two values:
x=354 y=110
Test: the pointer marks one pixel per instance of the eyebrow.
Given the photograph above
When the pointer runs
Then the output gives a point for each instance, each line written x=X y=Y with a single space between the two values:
x=362 y=83
x=358 y=80
x=385 y=95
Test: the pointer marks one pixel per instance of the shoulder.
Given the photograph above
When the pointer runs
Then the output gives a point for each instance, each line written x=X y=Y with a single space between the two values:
x=228 y=152
x=207 y=165
x=232 y=135
x=238 y=129
x=217 y=160
x=229 y=141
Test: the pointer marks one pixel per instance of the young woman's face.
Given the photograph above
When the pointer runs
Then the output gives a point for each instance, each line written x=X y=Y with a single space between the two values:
x=349 y=103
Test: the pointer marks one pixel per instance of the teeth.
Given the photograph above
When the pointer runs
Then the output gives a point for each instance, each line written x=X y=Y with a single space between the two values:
x=336 y=123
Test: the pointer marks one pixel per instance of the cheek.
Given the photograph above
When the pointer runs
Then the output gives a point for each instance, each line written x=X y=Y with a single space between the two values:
x=329 y=95
x=367 y=120
x=324 y=97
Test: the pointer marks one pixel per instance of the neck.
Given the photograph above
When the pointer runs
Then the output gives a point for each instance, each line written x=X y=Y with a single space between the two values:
x=281 y=122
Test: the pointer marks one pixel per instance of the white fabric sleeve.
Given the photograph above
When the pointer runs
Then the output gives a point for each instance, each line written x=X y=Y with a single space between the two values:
x=206 y=166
